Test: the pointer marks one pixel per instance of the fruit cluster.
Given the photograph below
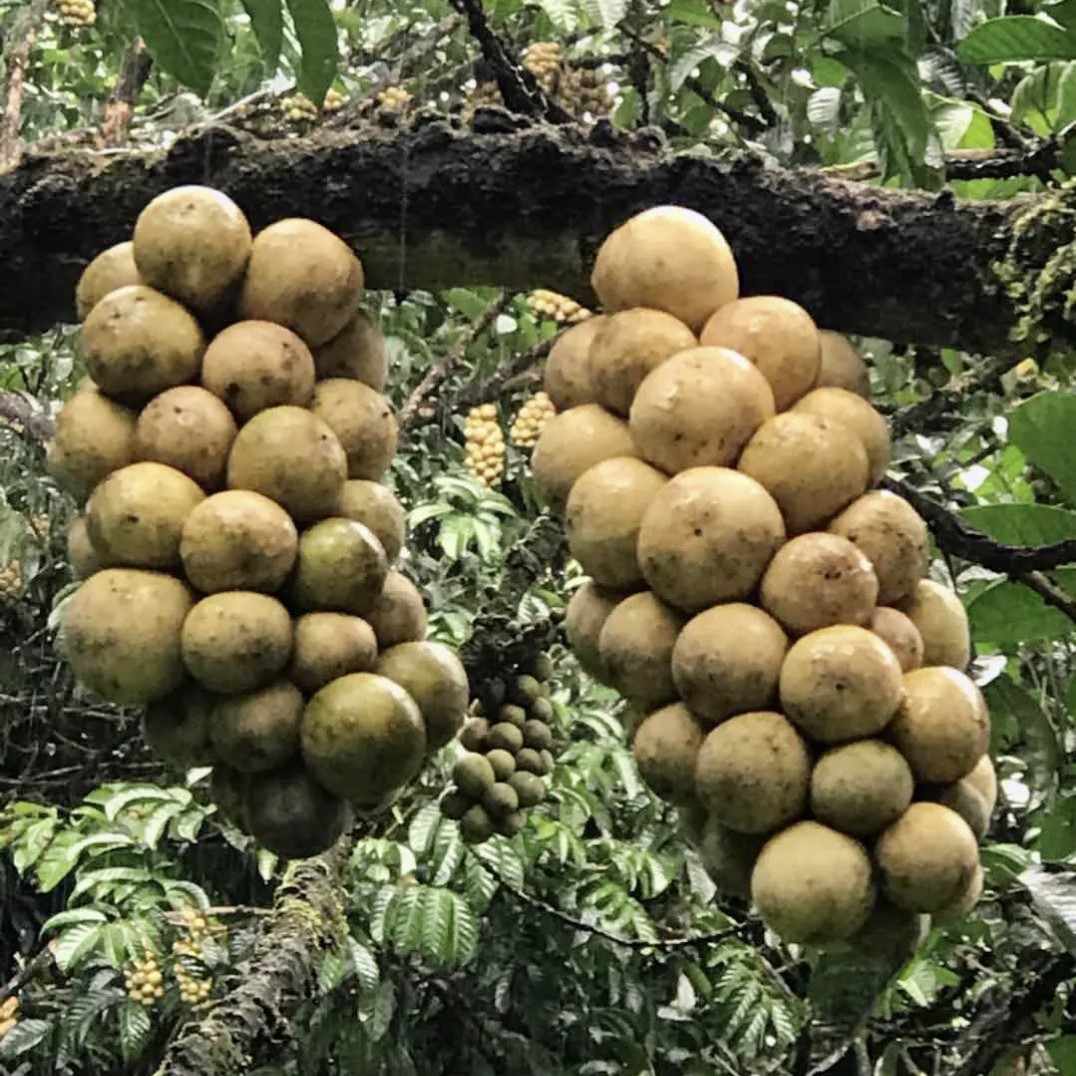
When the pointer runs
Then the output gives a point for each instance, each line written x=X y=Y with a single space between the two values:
x=551 y=304
x=144 y=981
x=500 y=774
x=584 y=92
x=531 y=420
x=77 y=14
x=297 y=107
x=11 y=582
x=394 y=98
x=484 y=449
x=187 y=953
x=797 y=683
x=9 y=1015
x=236 y=547
x=542 y=59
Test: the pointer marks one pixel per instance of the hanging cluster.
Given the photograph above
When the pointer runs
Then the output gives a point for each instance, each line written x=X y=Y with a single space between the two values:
x=561 y=308
x=144 y=981
x=236 y=546
x=531 y=420
x=797 y=683
x=508 y=754
x=9 y=1015
x=78 y=14
x=484 y=451
x=542 y=59
x=11 y=582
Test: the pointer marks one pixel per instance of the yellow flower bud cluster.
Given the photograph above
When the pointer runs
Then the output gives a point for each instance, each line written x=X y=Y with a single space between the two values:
x=584 y=91
x=531 y=420
x=144 y=981
x=550 y=304
x=9 y=1015
x=542 y=59
x=299 y=108
x=77 y=14
x=192 y=988
x=11 y=581
x=485 y=444
x=334 y=101
x=394 y=98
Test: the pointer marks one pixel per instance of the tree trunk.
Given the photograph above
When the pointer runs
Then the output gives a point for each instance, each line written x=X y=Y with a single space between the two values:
x=433 y=207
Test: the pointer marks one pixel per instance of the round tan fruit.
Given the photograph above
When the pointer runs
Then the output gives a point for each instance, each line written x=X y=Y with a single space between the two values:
x=376 y=507
x=604 y=512
x=927 y=858
x=666 y=748
x=984 y=779
x=942 y=622
x=817 y=580
x=254 y=365
x=572 y=442
x=121 y=634
x=474 y=775
x=435 y=678
x=238 y=540
x=363 y=737
x=135 y=516
x=587 y=612
x=900 y=635
x=729 y=857
x=627 y=347
x=291 y=814
x=328 y=646
x=942 y=727
x=189 y=429
x=192 y=243
x=236 y=641
x=567 y=369
x=861 y=787
x=258 y=730
x=292 y=457
x=753 y=773
x=727 y=661
x=964 y=798
x=707 y=537
x=176 y=727
x=776 y=335
x=94 y=437
x=892 y=535
x=399 y=613
x=111 y=269
x=636 y=646
x=138 y=342
x=669 y=258
x=812 y=885
x=341 y=567
x=699 y=408
x=81 y=553
x=967 y=900
x=363 y=421
x=812 y=467
x=840 y=683
x=302 y=276
x=842 y=366
x=356 y=351
x=856 y=415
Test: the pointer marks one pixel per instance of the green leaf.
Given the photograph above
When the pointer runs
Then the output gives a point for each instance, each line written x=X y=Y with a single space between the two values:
x=109 y=876
x=691 y=13
x=449 y=927
x=316 y=30
x=1008 y=614
x=185 y=38
x=1023 y=524
x=24 y=1036
x=1014 y=38
x=71 y=916
x=503 y=859
x=1010 y=704
x=135 y=1027
x=101 y=841
x=1042 y=428
x=33 y=842
x=267 y=21
x=74 y=943
x=863 y=23
x=1054 y=895
x=158 y=821
x=420 y=833
x=134 y=794
x=365 y=965
x=563 y=14
x=606 y=13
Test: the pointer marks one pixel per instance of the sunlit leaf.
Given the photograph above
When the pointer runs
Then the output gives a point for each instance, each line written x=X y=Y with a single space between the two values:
x=1042 y=428
x=1013 y=38
x=184 y=36
x=267 y=21
x=316 y=30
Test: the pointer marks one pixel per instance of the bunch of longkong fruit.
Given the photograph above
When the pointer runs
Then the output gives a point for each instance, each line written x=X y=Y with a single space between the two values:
x=797 y=684
x=236 y=543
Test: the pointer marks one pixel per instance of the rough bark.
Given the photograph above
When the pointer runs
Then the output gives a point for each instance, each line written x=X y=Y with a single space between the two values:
x=434 y=206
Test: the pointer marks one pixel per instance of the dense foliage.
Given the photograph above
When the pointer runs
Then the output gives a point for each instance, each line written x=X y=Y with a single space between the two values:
x=591 y=942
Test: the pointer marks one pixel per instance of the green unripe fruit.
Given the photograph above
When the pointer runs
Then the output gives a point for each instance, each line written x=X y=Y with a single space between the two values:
x=524 y=690
x=542 y=710
x=455 y=805
x=473 y=734
x=510 y=824
x=530 y=788
x=500 y=800
x=548 y=761
x=506 y=736
x=503 y=763
x=529 y=760
x=537 y=734
x=475 y=825
x=514 y=715
x=474 y=775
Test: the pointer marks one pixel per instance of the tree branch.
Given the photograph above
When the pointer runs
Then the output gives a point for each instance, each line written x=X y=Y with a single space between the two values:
x=433 y=207
x=16 y=57
x=119 y=108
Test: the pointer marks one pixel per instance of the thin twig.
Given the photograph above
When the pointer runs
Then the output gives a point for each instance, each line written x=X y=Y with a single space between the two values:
x=118 y=112
x=1049 y=591
x=19 y=410
x=17 y=56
